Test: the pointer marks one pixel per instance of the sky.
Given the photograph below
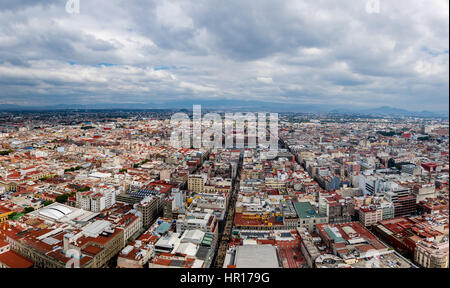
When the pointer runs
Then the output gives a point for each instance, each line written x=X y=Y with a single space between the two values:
x=344 y=52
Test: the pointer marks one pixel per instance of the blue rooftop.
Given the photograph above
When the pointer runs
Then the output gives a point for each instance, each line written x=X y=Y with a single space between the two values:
x=163 y=228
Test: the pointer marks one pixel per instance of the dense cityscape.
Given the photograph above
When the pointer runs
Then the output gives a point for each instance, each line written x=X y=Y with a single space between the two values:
x=211 y=143
x=105 y=188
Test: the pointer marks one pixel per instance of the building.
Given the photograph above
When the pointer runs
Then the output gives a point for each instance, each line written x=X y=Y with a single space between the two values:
x=150 y=207
x=166 y=260
x=424 y=191
x=404 y=202
x=351 y=241
x=58 y=235
x=337 y=208
x=10 y=259
x=4 y=213
x=137 y=253
x=192 y=248
x=309 y=250
x=126 y=217
x=196 y=183
x=432 y=254
x=96 y=245
x=95 y=201
x=405 y=233
x=411 y=169
x=432 y=206
x=204 y=221
x=370 y=215
x=253 y=256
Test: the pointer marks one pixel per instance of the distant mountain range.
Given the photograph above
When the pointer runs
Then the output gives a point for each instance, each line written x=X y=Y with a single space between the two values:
x=234 y=105
x=392 y=111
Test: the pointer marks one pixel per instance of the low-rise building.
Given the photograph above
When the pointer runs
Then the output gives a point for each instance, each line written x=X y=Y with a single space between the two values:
x=308 y=218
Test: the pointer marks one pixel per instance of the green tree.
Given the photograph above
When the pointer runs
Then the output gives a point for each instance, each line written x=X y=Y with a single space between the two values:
x=48 y=202
x=62 y=198
x=4 y=153
x=84 y=189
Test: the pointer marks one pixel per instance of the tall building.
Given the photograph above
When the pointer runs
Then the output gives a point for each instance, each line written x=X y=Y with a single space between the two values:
x=150 y=207
x=196 y=183
x=95 y=201
x=337 y=208
x=370 y=215
x=432 y=254
x=404 y=202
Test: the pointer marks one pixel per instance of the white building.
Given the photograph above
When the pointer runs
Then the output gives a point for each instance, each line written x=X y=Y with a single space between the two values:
x=96 y=201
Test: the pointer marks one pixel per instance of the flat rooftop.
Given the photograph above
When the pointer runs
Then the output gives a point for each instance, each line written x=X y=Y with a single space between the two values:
x=256 y=256
x=306 y=210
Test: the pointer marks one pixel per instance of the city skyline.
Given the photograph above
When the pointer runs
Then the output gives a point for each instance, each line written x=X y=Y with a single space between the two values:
x=343 y=54
x=115 y=189
x=283 y=137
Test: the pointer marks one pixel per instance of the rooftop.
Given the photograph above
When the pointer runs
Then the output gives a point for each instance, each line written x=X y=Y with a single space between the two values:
x=256 y=256
x=306 y=210
x=13 y=260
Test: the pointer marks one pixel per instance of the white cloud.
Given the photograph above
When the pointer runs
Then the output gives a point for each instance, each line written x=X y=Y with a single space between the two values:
x=266 y=80
x=197 y=88
x=320 y=51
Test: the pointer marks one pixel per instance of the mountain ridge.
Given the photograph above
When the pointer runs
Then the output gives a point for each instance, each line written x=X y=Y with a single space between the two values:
x=250 y=106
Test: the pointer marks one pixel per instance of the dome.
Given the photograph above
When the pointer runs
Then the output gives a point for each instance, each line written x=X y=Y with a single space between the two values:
x=55 y=212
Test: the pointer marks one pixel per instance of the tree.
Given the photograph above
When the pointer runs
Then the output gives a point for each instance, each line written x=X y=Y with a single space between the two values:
x=391 y=163
x=4 y=153
x=424 y=138
x=28 y=210
x=48 y=202
x=62 y=198
x=10 y=216
x=387 y=133
x=47 y=177
x=84 y=189
x=73 y=169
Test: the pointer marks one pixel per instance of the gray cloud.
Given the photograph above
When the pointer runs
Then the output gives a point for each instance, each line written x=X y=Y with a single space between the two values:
x=317 y=52
x=6 y=5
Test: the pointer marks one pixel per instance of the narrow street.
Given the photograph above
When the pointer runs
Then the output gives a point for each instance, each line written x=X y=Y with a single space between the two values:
x=226 y=226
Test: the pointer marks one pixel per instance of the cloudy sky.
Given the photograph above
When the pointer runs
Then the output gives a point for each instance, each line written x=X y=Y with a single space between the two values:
x=293 y=51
